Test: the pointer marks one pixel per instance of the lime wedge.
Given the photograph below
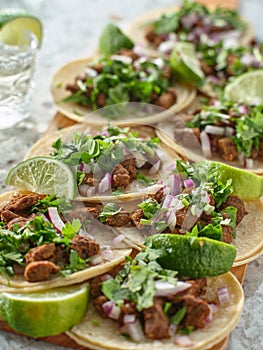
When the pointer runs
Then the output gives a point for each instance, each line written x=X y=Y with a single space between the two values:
x=112 y=40
x=246 y=185
x=247 y=88
x=193 y=257
x=43 y=175
x=45 y=313
x=16 y=24
x=185 y=63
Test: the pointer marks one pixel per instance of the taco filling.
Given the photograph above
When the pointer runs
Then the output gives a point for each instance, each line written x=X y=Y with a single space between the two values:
x=194 y=203
x=197 y=24
x=110 y=162
x=124 y=77
x=149 y=301
x=229 y=130
x=37 y=242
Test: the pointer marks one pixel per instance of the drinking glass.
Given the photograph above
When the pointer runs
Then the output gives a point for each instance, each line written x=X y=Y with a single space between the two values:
x=17 y=66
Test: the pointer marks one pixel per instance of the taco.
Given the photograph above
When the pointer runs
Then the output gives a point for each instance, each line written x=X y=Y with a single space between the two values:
x=198 y=200
x=220 y=130
x=40 y=249
x=146 y=306
x=113 y=164
x=160 y=29
x=124 y=88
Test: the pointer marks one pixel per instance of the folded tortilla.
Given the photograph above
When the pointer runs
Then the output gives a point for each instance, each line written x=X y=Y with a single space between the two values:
x=95 y=332
x=185 y=95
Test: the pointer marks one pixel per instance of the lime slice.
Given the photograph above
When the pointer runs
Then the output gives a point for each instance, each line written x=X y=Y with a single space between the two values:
x=45 y=313
x=43 y=175
x=15 y=24
x=247 y=88
x=112 y=40
x=185 y=63
x=193 y=257
x=246 y=185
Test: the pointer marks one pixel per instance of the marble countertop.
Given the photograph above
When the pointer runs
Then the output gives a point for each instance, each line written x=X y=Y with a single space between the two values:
x=71 y=30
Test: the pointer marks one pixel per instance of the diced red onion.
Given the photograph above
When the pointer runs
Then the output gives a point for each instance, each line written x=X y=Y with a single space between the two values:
x=107 y=253
x=205 y=144
x=166 y=46
x=139 y=50
x=91 y=72
x=189 y=20
x=164 y=288
x=96 y=260
x=126 y=151
x=172 y=329
x=183 y=340
x=86 y=190
x=241 y=157
x=223 y=295
x=171 y=219
x=155 y=167
x=122 y=58
x=188 y=183
x=229 y=131
x=213 y=78
x=118 y=239
x=213 y=307
x=159 y=62
x=86 y=168
x=247 y=59
x=174 y=183
x=55 y=218
x=134 y=330
x=129 y=318
x=243 y=109
x=104 y=133
x=139 y=61
x=167 y=201
x=86 y=234
x=215 y=130
x=106 y=277
x=44 y=217
x=105 y=183
x=171 y=167
x=111 y=309
x=249 y=162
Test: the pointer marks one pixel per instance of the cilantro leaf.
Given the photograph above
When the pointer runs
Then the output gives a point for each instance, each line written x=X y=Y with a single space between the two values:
x=108 y=210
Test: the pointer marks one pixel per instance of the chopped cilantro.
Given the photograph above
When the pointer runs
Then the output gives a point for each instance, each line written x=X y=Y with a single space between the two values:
x=108 y=210
x=145 y=179
x=76 y=263
x=178 y=316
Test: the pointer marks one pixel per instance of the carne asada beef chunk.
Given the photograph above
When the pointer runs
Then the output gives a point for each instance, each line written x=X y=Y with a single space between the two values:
x=128 y=53
x=23 y=203
x=235 y=201
x=158 y=196
x=90 y=180
x=95 y=287
x=7 y=215
x=38 y=271
x=136 y=217
x=101 y=100
x=196 y=313
x=120 y=177
x=43 y=252
x=208 y=70
x=120 y=219
x=130 y=165
x=152 y=37
x=98 y=302
x=227 y=149
x=166 y=100
x=83 y=214
x=156 y=324
x=227 y=234
x=84 y=246
x=20 y=222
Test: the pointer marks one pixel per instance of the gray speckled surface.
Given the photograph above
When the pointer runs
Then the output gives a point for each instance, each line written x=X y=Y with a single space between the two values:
x=71 y=30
